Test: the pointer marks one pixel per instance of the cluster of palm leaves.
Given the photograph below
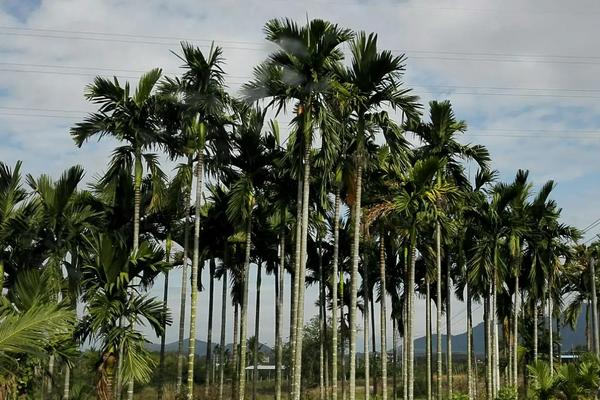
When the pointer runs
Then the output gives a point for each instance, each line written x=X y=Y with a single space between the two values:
x=346 y=202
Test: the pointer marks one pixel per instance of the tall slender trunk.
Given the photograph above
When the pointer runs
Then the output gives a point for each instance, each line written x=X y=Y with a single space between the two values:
x=67 y=384
x=383 y=317
x=184 y=285
x=136 y=242
x=222 y=360
x=278 y=314
x=428 y=334
x=411 y=317
x=322 y=323
x=588 y=332
x=438 y=307
x=50 y=377
x=558 y=342
x=321 y=346
x=515 y=359
x=488 y=347
x=354 y=278
x=301 y=279
x=209 y=345
x=334 y=294
x=244 y=313
x=373 y=341
x=344 y=335
x=195 y=266
x=256 y=330
x=550 y=329
x=235 y=356
x=405 y=327
x=449 y=327
x=596 y=331
x=366 y=329
x=469 y=342
x=394 y=359
x=494 y=313
x=163 y=337
x=296 y=281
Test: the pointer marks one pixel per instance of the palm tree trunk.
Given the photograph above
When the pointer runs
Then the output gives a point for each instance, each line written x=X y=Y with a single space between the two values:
x=488 y=346
x=343 y=354
x=321 y=347
x=588 y=333
x=223 y=327
x=50 y=377
x=366 y=330
x=595 y=331
x=383 y=317
x=244 y=314
x=373 y=340
x=428 y=334
x=136 y=237
x=302 y=274
x=405 y=327
x=449 y=328
x=163 y=337
x=234 y=356
x=195 y=262
x=550 y=330
x=322 y=324
x=515 y=359
x=209 y=345
x=469 y=342
x=334 y=294
x=394 y=359
x=278 y=314
x=354 y=278
x=438 y=307
x=411 y=317
x=495 y=335
x=184 y=285
x=256 y=330
x=67 y=384
x=295 y=280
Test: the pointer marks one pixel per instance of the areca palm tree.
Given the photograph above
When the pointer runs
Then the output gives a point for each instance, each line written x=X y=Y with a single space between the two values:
x=374 y=80
x=415 y=202
x=439 y=137
x=14 y=213
x=201 y=90
x=130 y=118
x=300 y=71
x=249 y=170
x=65 y=217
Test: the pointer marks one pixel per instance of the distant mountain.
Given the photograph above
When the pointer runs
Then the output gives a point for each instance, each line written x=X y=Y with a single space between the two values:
x=201 y=347
x=569 y=338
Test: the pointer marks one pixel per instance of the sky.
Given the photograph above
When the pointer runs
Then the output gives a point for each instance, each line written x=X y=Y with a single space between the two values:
x=523 y=74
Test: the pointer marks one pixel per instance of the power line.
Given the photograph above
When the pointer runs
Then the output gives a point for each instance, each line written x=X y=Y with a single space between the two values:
x=448 y=93
x=110 y=69
x=461 y=55
x=590 y=226
x=237 y=42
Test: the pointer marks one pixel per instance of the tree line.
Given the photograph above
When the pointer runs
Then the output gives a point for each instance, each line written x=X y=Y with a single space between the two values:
x=346 y=202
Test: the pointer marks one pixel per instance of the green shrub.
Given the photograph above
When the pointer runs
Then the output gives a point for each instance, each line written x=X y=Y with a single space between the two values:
x=460 y=396
x=507 y=393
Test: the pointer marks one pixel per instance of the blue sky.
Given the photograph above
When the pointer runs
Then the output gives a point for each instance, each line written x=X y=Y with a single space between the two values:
x=523 y=76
